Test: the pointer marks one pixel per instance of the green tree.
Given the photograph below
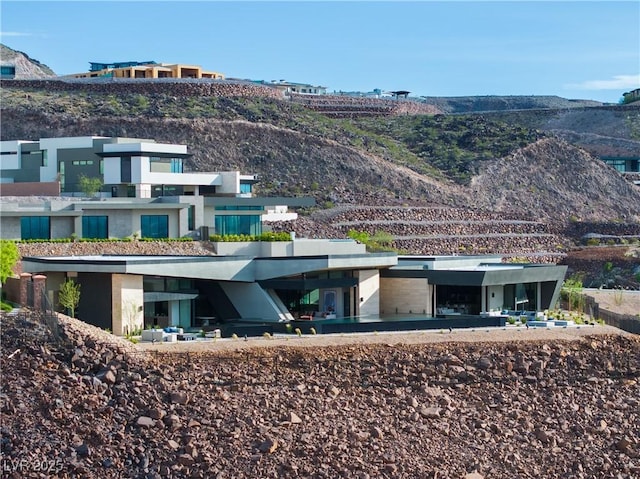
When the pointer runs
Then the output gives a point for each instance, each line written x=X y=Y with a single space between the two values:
x=89 y=185
x=70 y=296
x=572 y=289
x=9 y=256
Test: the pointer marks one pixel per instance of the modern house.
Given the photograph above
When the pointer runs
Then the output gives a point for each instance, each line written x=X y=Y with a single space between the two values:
x=145 y=192
x=468 y=285
x=148 y=194
x=335 y=281
x=627 y=166
x=257 y=281
x=148 y=70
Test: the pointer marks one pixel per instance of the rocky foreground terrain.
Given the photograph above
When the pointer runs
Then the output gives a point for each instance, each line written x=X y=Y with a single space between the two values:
x=96 y=406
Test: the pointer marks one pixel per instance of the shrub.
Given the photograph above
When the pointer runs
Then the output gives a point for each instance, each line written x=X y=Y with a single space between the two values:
x=267 y=237
x=9 y=256
x=90 y=185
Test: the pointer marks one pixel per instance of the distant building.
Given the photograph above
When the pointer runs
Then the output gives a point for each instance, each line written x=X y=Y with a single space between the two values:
x=148 y=70
x=145 y=192
x=631 y=96
x=400 y=94
x=628 y=166
x=7 y=71
x=375 y=93
x=289 y=87
x=301 y=88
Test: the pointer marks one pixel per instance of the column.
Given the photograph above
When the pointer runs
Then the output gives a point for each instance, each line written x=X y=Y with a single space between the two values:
x=39 y=284
x=25 y=280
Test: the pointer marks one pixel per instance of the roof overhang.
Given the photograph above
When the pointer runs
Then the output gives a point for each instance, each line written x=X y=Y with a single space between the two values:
x=259 y=201
x=485 y=276
x=270 y=268
x=220 y=268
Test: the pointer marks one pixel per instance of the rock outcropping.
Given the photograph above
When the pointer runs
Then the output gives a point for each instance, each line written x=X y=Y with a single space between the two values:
x=26 y=67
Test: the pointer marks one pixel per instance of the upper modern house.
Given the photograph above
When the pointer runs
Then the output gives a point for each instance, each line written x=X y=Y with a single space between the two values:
x=627 y=166
x=146 y=69
x=631 y=96
x=145 y=192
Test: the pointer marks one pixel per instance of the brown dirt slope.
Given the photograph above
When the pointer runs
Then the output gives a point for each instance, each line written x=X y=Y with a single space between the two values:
x=549 y=179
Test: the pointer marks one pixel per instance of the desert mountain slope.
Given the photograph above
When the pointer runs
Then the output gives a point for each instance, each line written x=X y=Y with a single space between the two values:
x=549 y=178
x=602 y=131
x=482 y=104
x=457 y=161
x=26 y=67
x=556 y=180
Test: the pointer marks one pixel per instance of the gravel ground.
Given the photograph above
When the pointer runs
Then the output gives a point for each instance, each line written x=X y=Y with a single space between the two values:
x=495 y=404
x=617 y=301
x=509 y=334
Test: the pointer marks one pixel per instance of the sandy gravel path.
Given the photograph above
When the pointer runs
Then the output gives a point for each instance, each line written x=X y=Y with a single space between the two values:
x=508 y=334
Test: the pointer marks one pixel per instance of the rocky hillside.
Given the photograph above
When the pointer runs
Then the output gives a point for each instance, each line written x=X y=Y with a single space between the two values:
x=603 y=131
x=26 y=67
x=448 y=161
x=92 y=405
x=491 y=103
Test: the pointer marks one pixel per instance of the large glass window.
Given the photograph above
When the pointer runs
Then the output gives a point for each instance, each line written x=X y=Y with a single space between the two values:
x=239 y=208
x=238 y=225
x=35 y=227
x=154 y=226
x=191 y=218
x=165 y=165
x=245 y=187
x=125 y=170
x=95 y=227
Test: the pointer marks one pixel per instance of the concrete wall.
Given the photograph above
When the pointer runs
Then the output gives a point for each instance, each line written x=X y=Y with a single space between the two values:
x=54 y=281
x=302 y=247
x=61 y=227
x=251 y=301
x=369 y=292
x=404 y=295
x=230 y=183
x=12 y=161
x=495 y=296
x=310 y=247
x=11 y=290
x=51 y=188
x=50 y=172
x=127 y=300
x=10 y=227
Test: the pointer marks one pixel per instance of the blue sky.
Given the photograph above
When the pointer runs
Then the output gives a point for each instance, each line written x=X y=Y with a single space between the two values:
x=576 y=49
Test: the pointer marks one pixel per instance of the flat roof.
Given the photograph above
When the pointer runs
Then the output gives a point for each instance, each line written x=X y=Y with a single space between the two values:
x=222 y=268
